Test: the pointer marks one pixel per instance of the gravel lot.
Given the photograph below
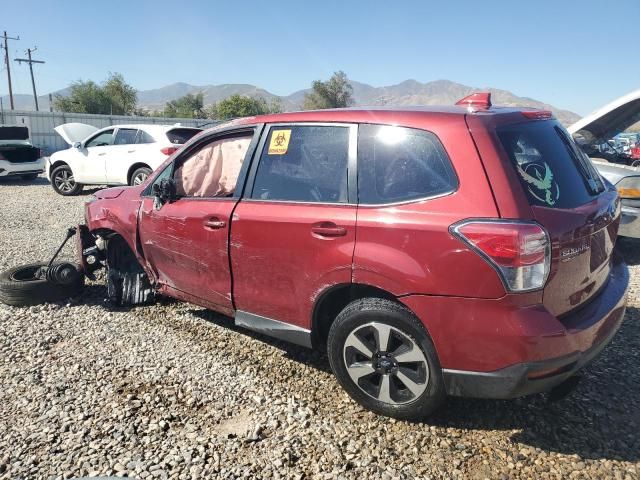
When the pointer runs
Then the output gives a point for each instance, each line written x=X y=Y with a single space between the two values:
x=174 y=391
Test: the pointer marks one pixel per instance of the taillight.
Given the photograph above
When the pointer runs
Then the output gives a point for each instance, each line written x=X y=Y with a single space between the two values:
x=519 y=251
x=169 y=150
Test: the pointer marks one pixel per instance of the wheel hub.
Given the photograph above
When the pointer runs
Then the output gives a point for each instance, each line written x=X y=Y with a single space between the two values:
x=384 y=363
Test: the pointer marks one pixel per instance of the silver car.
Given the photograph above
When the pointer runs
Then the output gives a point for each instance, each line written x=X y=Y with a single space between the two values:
x=595 y=129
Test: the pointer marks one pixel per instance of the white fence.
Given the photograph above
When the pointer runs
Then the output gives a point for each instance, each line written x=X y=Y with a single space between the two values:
x=41 y=124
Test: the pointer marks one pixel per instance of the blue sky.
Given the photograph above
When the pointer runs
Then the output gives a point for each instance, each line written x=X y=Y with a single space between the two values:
x=573 y=54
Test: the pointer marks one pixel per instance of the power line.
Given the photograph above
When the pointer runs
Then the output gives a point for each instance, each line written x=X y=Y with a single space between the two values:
x=6 y=60
x=30 y=61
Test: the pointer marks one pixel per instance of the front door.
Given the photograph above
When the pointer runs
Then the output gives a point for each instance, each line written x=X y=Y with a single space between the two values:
x=93 y=158
x=185 y=241
x=293 y=233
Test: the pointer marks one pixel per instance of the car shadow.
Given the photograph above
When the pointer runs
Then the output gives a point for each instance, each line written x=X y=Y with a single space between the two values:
x=598 y=420
x=629 y=248
x=19 y=182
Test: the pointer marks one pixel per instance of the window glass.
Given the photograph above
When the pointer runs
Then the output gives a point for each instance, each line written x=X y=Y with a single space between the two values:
x=304 y=163
x=397 y=164
x=144 y=137
x=102 y=139
x=213 y=170
x=182 y=135
x=553 y=173
x=125 y=136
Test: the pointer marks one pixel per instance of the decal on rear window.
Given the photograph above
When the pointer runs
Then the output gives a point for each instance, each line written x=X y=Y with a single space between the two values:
x=540 y=182
x=279 y=143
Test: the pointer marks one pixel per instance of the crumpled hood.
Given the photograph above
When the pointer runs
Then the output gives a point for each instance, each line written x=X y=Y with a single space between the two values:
x=75 y=132
x=109 y=193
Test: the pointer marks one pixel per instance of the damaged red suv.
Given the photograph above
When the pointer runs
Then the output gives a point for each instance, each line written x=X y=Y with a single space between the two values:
x=464 y=250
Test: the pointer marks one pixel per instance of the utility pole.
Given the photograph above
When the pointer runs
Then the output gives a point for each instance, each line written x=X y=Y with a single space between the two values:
x=31 y=62
x=6 y=60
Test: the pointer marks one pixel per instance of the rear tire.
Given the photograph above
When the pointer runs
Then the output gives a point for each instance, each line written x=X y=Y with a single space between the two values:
x=20 y=287
x=139 y=176
x=63 y=182
x=398 y=377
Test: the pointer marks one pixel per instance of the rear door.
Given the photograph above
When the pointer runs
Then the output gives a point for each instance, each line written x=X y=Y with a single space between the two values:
x=293 y=232
x=568 y=197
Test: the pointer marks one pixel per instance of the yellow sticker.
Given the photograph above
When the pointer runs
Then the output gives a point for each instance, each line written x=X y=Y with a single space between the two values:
x=279 y=142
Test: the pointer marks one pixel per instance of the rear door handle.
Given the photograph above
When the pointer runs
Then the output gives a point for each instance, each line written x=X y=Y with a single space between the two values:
x=101 y=154
x=328 y=229
x=214 y=223
x=130 y=151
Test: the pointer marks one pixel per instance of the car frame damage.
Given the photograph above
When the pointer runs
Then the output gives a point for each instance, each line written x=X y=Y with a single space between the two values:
x=127 y=282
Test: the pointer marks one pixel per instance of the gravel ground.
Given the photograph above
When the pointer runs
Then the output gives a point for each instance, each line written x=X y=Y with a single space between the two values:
x=174 y=391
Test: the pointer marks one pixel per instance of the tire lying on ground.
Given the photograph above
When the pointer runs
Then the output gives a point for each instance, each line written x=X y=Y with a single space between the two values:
x=22 y=286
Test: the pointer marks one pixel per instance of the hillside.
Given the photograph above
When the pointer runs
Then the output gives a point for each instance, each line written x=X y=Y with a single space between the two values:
x=409 y=92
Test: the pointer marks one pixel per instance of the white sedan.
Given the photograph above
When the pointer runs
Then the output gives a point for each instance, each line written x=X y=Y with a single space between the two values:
x=117 y=155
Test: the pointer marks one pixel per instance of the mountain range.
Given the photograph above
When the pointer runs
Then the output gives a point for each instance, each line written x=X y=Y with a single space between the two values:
x=409 y=92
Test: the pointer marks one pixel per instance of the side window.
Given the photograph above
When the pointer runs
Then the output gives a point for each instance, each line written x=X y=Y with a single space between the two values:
x=125 y=136
x=100 y=140
x=304 y=163
x=397 y=164
x=144 y=137
x=212 y=171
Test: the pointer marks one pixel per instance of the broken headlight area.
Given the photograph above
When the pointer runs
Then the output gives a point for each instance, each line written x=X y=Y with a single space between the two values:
x=127 y=282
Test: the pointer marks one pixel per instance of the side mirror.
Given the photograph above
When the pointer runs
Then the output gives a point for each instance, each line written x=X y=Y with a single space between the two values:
x=77 y=145
x=163 y=192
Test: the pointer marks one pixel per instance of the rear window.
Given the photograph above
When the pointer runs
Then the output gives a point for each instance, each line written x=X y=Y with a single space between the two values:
x=552 y=170
x=182 y=135
x=397 y=164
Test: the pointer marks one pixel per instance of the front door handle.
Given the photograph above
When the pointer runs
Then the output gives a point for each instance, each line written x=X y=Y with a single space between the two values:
x=328 y=229
x=101 y=154
x=214 y=223
x=130 y=151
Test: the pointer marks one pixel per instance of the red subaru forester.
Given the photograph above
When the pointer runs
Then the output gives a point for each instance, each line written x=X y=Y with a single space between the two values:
x=464 y=250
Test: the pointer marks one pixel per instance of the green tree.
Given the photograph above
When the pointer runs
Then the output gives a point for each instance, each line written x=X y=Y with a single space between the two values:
x=113 y=97
x=336 y=92
x=244 y=106
x=188 y=106
x=123 y=97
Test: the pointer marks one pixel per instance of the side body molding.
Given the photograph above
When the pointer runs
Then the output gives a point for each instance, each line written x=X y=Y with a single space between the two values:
x=274 y=328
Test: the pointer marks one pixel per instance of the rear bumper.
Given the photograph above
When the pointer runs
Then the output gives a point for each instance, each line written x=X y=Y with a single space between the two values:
x=537 y=350
x=9 y=169
x=630 y=222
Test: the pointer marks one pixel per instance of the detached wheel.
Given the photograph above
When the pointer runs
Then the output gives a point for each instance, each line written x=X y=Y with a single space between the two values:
x=63 y=182
x=23 y=286
x=384 y=359
x=139 y=176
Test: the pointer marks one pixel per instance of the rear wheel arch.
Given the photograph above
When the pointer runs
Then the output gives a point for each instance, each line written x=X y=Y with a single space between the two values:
x=334 y=299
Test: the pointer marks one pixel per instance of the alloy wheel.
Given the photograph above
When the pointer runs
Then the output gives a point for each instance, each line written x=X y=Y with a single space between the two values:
x=386 y=363
x=64 y=181
x=140 y=178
